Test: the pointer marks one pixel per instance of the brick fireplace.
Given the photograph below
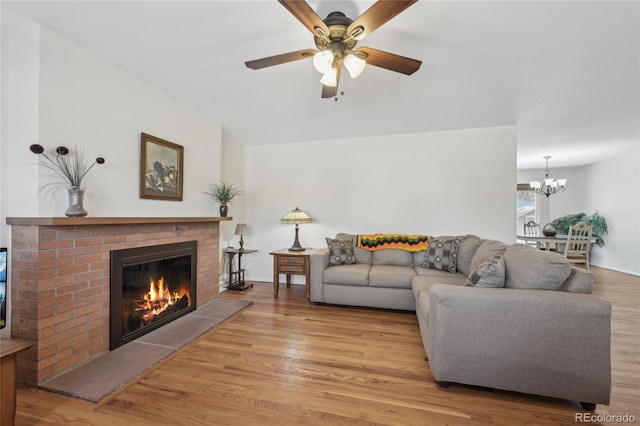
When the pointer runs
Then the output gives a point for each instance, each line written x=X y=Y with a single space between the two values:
x=60 y=281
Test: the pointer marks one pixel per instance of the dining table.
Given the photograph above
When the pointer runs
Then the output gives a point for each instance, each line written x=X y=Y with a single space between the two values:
x=548 y=242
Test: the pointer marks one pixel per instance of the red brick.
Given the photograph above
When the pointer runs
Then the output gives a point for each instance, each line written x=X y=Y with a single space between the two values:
x=55 y=282
x=67 y=325
x=88 y=258
x=55 y=244
x=73 y=251
x=75 y=269
x=84 y=310
x=88 y=241
x=70 y=361
x=52 y=360
x=73 y=287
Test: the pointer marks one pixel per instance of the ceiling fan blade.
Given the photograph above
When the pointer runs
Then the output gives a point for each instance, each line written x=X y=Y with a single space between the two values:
x=376 y=16
x=305 y=14
x=330 y=91
x=280 y=59
x=391 y=61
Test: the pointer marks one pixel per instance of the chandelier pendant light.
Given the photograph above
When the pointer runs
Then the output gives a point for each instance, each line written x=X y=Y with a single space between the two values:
x=548 y=186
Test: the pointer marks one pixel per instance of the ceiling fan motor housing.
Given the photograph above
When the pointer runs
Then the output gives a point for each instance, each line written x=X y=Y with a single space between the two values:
x=337 y=40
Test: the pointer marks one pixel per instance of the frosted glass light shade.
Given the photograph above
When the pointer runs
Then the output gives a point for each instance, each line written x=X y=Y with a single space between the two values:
x=323 y=60
x=354 y=65
x=330 y=78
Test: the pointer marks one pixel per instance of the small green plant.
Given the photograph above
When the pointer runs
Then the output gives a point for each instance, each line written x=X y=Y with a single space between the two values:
x=224 y=193
x=596 y=220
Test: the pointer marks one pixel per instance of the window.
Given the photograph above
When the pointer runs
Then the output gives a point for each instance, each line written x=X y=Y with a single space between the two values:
x=525 y=206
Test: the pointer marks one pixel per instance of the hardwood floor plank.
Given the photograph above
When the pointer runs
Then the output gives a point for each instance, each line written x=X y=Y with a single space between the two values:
x=285 y=361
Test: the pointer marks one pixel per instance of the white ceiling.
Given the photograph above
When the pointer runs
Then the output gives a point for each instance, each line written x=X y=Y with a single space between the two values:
x=566 y=72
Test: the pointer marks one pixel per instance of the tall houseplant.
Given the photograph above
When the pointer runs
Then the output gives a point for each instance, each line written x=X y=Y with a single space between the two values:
x=596 y=220
x=224 y=193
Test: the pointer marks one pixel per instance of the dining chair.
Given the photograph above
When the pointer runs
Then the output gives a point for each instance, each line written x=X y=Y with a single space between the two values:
x=532 y=229
x=578 y=244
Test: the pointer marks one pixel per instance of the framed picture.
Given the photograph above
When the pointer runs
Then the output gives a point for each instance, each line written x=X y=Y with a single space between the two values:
x=161 y=169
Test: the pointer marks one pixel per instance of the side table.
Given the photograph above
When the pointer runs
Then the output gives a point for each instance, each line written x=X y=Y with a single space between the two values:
x=9 y=348
x=236 y=278
x=291 y=263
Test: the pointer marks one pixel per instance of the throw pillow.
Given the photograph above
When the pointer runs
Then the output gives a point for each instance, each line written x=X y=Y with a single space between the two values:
x=442 y=255
x=340 y=252
x=489 y=274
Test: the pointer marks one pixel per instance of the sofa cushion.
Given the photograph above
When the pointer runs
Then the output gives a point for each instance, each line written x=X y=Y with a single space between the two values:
x=424 y=282
x=530 y=268
x=392 y=257
x=418 y=257
x=362 y=256
x=356 y=274
x=442 y=255
x=391 y=276
x=579 y=281
x=487 y=250
x=490 y=274
x=466 y=249
x=340 y=252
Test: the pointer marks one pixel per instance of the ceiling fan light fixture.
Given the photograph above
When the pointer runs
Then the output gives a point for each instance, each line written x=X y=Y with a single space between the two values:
x=330 y=78
x=354 y=65
x=323 y=60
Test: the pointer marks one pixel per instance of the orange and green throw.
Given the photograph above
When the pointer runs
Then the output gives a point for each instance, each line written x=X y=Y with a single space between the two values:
x=412 y=243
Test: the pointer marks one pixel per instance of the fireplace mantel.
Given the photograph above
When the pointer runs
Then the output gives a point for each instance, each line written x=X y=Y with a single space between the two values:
x=75 y=221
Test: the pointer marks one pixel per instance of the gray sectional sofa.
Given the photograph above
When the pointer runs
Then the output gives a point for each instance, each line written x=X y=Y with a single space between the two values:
x=507 y=317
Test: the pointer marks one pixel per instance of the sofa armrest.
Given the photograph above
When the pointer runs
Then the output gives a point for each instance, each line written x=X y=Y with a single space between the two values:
x=319 y=262
x=545 y=342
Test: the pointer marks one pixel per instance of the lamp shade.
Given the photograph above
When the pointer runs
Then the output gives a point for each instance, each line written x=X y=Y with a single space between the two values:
x=241 y=229
x=296 y=216
x=323 y=60
x=330 y=78
x=354 y=65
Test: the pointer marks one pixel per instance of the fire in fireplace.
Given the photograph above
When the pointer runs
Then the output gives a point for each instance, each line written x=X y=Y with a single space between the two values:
x=150 y=287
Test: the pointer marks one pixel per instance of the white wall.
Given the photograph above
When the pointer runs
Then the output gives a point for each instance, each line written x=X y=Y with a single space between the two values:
x=451 y=182
x=612 y=187
x=86 y=102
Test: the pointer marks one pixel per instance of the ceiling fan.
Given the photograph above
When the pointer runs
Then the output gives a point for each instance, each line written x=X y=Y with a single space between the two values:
x=336 y=38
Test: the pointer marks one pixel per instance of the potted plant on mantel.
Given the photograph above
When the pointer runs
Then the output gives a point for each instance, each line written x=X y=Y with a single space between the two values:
x=224 y=193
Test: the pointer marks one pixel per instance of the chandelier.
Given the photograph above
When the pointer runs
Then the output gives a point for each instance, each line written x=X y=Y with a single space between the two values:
x=548 y=186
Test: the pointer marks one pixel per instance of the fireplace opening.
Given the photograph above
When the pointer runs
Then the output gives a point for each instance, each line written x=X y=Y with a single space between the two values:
x=150 y=287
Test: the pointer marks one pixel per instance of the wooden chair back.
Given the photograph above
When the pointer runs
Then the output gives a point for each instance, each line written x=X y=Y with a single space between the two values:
x=578 y=243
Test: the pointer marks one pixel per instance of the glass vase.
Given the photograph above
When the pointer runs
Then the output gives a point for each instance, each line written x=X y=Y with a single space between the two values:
x=76 y=203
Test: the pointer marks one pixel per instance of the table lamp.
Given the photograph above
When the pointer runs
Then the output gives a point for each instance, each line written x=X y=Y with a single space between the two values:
x=241 y=228
x=296 y=216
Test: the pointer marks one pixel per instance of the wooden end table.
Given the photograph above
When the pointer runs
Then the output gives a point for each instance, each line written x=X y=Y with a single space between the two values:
x=236 y=278
x=9 y=348
x=291 y=263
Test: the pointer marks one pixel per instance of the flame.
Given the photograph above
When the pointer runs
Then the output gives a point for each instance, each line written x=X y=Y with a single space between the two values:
x=157 y=299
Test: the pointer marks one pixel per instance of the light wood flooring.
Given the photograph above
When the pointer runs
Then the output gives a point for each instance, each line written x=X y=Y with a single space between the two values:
x=286 y=362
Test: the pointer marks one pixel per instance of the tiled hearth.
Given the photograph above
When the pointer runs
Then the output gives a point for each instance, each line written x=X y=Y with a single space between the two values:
x=60 y=281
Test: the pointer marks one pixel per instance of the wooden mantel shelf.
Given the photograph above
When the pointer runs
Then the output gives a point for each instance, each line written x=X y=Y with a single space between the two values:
x=75 y=221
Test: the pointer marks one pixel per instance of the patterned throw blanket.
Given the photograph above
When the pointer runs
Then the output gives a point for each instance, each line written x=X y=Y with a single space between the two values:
x=412 y=243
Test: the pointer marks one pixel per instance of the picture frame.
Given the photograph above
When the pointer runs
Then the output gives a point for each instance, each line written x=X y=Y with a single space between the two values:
x=161 y=169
